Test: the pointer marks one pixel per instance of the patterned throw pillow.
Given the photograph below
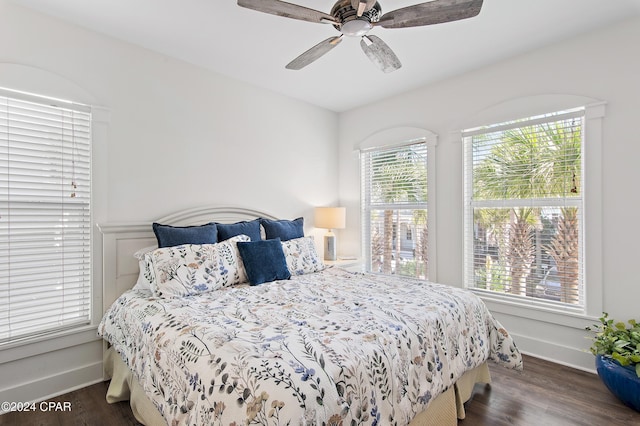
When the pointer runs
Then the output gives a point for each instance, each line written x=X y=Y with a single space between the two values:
x=301 y=256
x=146 y=278
x=197 y=268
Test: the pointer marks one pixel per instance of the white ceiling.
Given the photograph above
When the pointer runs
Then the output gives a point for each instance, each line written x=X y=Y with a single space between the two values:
x=254 y=47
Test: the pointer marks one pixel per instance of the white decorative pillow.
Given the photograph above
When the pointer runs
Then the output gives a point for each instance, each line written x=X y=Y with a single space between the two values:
x=301 y=256
x=145 y=276
x=197 y=268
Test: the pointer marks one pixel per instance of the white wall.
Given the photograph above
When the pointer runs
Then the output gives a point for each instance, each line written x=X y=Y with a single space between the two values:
x=176 y=137
x=603 y=65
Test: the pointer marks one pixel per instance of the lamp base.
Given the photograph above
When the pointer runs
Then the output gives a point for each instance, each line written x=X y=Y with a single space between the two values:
x=330 y=247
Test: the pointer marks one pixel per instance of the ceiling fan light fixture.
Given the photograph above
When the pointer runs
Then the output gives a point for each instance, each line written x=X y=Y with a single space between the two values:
x=355 y=18
x=356 y=28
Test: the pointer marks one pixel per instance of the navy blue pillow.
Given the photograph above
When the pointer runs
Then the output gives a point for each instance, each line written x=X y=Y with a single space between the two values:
x=169 y=236
x=250 y=228
x=283 y=229
x=264 y=261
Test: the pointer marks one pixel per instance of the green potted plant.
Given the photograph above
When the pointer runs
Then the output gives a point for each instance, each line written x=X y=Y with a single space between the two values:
x=616 y=346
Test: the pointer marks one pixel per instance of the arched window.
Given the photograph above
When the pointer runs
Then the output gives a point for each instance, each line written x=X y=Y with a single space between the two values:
x=395 y=218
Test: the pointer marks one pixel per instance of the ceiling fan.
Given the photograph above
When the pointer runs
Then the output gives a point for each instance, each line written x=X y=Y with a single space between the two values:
x=355 y=18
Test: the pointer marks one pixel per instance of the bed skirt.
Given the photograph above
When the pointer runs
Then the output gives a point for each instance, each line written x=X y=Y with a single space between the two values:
x=445 y=410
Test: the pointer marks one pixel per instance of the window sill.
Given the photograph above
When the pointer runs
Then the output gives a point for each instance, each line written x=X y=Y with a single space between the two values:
x=349 y=264
x=536 y=310
x=49 y=343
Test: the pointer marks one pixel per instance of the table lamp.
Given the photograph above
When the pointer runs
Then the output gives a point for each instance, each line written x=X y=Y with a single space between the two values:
x=330 y=218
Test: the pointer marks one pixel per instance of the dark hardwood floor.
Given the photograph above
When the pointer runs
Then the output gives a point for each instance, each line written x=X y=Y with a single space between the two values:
x=544 y=394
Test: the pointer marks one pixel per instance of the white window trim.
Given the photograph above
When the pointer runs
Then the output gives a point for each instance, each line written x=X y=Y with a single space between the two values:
x=593 y=268
x=594 y=117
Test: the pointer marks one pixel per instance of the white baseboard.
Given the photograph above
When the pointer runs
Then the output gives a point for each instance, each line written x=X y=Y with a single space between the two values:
x=549 y=351
x=52 y=386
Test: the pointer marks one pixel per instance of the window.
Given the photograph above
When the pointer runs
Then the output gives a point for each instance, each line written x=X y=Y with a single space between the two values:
x=524 y=209
x=394 y=208
x=45 y=216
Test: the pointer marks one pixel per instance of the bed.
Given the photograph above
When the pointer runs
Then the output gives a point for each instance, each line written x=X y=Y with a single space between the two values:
x=323 y=347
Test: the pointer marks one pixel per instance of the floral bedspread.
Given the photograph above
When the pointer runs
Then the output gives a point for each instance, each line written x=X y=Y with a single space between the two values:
x=329 y=348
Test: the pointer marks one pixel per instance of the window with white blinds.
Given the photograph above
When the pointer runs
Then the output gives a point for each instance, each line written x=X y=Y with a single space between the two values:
x=45 y=216
x=524 y=209
x=394 y=208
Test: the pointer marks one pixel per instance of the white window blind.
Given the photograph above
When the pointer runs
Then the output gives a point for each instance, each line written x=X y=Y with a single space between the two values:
x=394 y=208
x=524 y=209
x=45 y=217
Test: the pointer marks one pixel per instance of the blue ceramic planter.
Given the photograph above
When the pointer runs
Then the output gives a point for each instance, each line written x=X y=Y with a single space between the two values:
x=621 y=381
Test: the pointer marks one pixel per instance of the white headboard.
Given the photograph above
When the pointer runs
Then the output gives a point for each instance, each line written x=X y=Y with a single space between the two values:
x=121 y=240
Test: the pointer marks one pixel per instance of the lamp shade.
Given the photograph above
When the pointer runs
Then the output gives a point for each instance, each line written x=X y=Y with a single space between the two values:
x=330 y=217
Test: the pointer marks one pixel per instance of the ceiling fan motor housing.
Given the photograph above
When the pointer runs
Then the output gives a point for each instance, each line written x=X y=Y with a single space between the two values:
x=351 y=24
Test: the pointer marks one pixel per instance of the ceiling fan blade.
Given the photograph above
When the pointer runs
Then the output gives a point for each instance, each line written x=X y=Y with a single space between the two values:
x=362 y=6
x=314 y=53
x=380 y=54
x=288 y=10
x=433 y=12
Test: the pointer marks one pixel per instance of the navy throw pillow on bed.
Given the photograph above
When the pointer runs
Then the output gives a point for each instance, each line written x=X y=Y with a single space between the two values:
x=170 y=236
x=249 y=228
x=264 y=261
x=284 y=229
